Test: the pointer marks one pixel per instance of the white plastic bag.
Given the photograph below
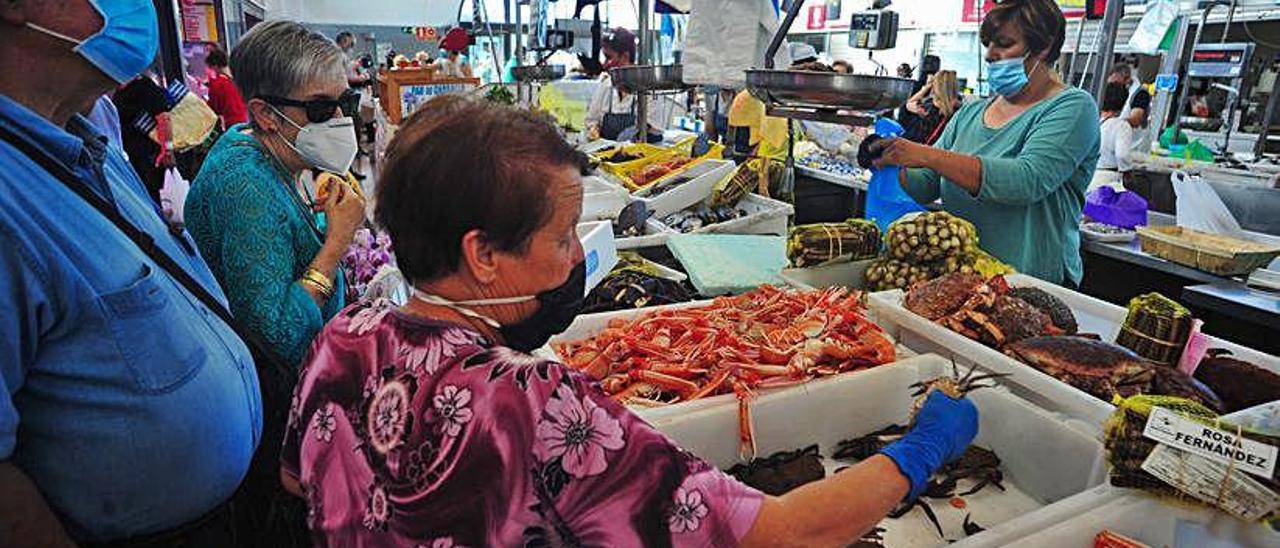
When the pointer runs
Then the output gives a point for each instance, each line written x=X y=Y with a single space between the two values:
x=1153 y=26
x=173 y=195
x=727 y=37
x=1200 y=208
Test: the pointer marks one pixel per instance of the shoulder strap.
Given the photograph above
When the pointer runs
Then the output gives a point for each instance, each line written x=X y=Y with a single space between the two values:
x=144 y=241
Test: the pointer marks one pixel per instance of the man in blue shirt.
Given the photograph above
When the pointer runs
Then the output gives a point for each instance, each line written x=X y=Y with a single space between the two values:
x=127 y=408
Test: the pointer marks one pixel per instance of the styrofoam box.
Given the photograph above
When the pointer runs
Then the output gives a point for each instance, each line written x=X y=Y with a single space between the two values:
x=1074 y=522
x=602 y=199
x=850 y=274
x=1092 y=315
x=701 y=179
x=598 y=250
x=655 y=234
x=1043 y=460
x=764 y=216
x=589 y=325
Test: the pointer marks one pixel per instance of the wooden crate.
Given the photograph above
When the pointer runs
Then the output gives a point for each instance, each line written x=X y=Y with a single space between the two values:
x=1214 y=253
x=393 y=83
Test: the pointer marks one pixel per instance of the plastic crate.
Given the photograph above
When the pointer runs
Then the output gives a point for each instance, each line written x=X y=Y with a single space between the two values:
x=1042 y=459
x=701 y=180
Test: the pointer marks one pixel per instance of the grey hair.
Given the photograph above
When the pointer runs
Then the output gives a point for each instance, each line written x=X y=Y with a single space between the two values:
x=277 y=58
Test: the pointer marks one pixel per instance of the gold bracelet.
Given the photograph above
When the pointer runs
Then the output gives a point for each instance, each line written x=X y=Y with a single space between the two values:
x=308 y=283
x=319 y=278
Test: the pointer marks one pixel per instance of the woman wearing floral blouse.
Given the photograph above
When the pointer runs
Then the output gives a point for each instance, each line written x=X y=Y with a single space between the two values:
x=430 y=425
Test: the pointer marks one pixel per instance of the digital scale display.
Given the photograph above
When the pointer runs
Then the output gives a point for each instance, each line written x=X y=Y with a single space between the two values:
x=1219 y=60
x=864 y=21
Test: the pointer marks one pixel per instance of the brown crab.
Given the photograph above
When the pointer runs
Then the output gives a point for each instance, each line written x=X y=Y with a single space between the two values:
x=942 y=296
x=1100 y=368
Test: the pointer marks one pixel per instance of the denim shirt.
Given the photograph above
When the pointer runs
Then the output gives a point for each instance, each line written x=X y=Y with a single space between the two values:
x=127 y=402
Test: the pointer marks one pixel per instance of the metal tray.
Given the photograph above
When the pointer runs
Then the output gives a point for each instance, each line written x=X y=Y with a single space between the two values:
x=537 y=73
x=642 y=78
x=828 y=90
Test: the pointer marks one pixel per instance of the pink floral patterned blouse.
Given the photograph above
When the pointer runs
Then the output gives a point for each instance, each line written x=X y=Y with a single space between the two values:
x=410 y=432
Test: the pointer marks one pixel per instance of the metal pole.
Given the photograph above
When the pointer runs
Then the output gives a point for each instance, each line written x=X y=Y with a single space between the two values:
x=1226 y=26
x=1163 y=102
x=1273 y=104
x=1075 y=53
x=793 y=9
x=519 y=34
x=1106 y=49
x=642 y=99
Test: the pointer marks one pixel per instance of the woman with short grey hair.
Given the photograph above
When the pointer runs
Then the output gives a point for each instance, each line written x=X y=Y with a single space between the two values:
x=258 y=226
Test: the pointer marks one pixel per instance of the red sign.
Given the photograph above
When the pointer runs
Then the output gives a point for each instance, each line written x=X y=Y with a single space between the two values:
x=972 y=12
x=817 y=18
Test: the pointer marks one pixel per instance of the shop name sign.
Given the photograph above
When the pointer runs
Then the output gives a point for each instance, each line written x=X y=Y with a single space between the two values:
x=1171 y=429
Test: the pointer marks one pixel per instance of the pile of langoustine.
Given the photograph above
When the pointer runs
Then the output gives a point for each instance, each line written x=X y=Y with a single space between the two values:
x=766 y=338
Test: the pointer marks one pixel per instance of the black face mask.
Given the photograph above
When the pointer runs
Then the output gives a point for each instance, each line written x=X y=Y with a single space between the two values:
x=557 y=308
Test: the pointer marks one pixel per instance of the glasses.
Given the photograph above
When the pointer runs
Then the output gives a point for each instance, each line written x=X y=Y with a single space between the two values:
x=321 y=110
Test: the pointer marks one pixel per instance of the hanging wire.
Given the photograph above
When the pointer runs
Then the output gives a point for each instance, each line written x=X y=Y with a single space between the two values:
x=1249 y=33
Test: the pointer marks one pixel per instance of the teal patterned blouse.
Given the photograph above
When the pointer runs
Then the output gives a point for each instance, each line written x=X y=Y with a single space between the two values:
x=258 y=238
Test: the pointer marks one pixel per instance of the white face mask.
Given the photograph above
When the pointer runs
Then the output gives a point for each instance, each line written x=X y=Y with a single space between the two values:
x=330 y=145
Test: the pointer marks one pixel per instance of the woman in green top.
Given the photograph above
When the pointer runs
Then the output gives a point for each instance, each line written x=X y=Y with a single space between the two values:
x=1017 y=165
x=275 y=256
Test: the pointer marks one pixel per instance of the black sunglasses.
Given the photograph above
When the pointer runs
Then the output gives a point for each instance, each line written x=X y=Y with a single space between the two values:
x=321 y=110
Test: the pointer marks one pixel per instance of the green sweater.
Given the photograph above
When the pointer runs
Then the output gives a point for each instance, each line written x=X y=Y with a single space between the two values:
x=1035 y=171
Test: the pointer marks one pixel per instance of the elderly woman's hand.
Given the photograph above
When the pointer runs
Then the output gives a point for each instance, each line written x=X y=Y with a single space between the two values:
x=344 y=213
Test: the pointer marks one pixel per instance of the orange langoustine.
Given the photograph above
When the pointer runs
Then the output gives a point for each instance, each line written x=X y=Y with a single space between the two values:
x=766 y=338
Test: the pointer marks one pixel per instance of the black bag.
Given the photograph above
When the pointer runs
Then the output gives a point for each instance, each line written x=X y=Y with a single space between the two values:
x=265 y=514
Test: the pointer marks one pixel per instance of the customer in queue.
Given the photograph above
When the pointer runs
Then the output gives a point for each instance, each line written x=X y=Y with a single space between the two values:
x=1015 y=165
x=430 y=424
x=253 y=219
x=128 y=411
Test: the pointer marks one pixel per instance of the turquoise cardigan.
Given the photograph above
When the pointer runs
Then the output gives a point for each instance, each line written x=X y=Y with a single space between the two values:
x=1035 y=171
x=258 y=240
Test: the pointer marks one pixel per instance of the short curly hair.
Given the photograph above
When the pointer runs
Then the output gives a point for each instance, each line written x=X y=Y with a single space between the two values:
x=459 y=165
x=1041 y=23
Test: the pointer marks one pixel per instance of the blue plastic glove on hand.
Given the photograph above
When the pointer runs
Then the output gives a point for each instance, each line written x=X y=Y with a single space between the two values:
x=943 y=429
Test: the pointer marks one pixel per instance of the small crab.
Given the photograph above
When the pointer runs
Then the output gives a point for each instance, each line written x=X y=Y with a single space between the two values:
x=955 y=386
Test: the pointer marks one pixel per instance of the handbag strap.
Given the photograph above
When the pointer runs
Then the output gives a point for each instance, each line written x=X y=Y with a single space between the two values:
x=144 y=242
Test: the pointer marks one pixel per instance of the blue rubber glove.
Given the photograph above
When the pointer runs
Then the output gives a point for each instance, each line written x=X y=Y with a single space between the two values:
x=943 y=430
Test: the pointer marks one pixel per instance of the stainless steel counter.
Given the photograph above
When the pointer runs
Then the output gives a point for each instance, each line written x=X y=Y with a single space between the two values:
x=1234 y=299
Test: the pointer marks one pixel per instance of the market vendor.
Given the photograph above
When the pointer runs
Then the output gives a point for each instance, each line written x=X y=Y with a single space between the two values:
x=1015 y=165
x=452 y=65
x=469 y=439
x=613 y=111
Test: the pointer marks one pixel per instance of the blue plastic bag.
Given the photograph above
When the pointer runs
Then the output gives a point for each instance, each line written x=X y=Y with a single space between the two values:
x=1122 y=209
x=886 y=200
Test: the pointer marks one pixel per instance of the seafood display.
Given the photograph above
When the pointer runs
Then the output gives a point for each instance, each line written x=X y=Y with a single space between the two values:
x=928 y=245
x=1156 y=328
x=1105 y=370
x=1128 y=448
x=1240 y=384
x=744 y=180
x=824 y=243
x=653 y=172
x=1112 y=539
x=631 y=220
x=986 y=310
x=781 y=472
x=765 y=338
x=697 y=217
x=635 y=283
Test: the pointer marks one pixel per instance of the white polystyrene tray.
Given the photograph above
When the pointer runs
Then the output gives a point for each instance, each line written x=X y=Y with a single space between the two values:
x=701 y=180
x=851 y=274
x=1043 y=460
x=602 y=199
x=655 y=234
x=764 y=216
x=1092 y=315
x=589 y=325
x=1075 y=522
x=598 y=250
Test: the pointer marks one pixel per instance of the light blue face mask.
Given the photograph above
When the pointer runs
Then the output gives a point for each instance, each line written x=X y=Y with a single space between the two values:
x=127 y=43
x=1008 y=76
